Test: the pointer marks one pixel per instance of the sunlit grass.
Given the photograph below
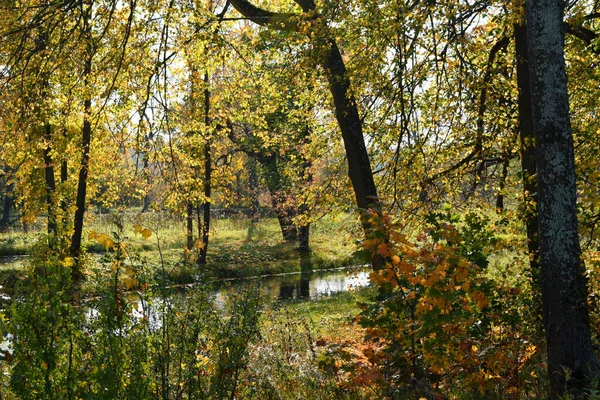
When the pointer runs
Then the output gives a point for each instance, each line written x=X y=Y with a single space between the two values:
x=236 y=248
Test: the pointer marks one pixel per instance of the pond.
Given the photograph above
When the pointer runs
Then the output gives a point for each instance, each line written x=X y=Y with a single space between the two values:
x=307 y=285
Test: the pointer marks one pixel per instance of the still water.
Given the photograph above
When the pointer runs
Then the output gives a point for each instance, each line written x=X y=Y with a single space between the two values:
x=309 y=285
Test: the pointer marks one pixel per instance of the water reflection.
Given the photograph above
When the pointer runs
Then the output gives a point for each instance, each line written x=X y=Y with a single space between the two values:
x=308 y=285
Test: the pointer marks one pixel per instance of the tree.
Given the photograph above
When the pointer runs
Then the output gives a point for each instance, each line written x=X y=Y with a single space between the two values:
x=346 y=108
x=564 y=292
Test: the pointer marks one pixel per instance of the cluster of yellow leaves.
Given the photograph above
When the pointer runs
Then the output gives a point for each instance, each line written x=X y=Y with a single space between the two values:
x=145 y=232
x=102 y=238
x=126 y=274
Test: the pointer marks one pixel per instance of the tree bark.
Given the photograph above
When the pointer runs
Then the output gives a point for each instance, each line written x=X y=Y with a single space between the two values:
x=285 y=213
x=8 y=203
x=304 y=207
x=528 y=167
x=253 y=187
x=146 y=168
x=6 y=209
x=564 y=291
x=80 y=202
x=207 y=174
x=278 y=189
x=503 y=177
x=50 y=183
x=86 y=138
x=189 y=233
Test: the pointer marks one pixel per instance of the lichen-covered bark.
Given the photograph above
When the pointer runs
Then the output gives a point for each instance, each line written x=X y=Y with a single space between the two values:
x=564 y=292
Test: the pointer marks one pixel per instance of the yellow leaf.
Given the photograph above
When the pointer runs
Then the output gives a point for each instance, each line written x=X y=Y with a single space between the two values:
x=109 y=244
x=146 y=233
x=102 y=238
x=137 y=228
x=129 y=282
x=92 y=235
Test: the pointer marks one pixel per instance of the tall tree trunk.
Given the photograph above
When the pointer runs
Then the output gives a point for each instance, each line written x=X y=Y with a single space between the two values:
x=207 y=173
x=41 y=44
x=303 y=207
x=346 y=112
x=50 y=183
x=6 y=209
x=64 y=171
x=564 y=291
x=82 y=182
x=528 y=167
x=86 y=138
x=146 y=168
x=64 y=175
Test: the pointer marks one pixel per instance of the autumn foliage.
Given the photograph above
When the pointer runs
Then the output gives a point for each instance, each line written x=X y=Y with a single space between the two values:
x=440 y=326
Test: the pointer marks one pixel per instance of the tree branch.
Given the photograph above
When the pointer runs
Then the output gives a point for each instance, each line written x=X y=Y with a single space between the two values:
x=306 y=5
x=584 y=34
x=500 y=45
x=279 y=21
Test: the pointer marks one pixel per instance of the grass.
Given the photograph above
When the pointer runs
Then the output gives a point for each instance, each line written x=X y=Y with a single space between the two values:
x=326 y=313
x=236 y=248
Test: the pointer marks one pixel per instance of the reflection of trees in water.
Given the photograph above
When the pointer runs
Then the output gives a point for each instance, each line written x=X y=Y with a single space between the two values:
x=298 y=286
x=305 y=285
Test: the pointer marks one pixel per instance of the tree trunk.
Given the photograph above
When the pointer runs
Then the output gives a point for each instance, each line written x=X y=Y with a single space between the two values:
x=80 y=201
x=527 y=150
x=359 y=166
x=64 y=171
x=189 y=233
x=285 y=213
x=253 y=187
x=8 y=204
x=50 y=183
x=564 y=291
x=86 y=138
x=146 y=168
x=207 y=174
x=303 y=207
x=47 y=152
x=503 y=177
x=346 y=112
